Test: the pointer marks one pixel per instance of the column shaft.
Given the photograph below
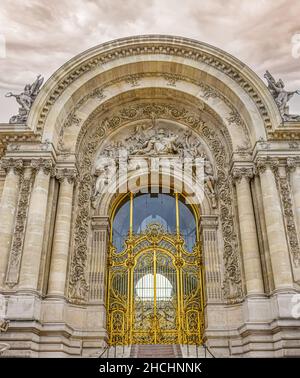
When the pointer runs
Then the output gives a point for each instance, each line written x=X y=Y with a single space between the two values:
x=251 y=256
x=295 y=186
x=35 y=230
x=8 y=207
x=60 y=251
x=275 y=230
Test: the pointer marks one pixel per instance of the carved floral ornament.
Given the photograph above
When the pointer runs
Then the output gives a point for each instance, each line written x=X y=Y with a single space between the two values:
x=189 y=51
x=78 y=287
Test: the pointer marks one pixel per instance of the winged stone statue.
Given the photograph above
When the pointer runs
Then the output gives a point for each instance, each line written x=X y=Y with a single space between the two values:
x=25 y=99
x=281 y=96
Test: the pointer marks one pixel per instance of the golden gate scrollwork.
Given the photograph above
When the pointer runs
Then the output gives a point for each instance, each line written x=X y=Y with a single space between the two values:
x=155 y=290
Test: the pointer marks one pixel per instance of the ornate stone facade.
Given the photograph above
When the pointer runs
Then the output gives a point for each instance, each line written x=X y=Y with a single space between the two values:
x=152 y=96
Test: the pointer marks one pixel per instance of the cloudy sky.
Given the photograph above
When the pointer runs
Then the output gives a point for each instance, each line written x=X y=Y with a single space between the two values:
x=38 y=36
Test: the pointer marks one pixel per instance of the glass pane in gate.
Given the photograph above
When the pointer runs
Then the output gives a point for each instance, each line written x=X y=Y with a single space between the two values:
x=143 y=299
x=166 y=299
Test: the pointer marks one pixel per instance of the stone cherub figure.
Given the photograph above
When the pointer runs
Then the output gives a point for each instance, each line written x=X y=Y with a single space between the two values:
x=25 y=99
x=281 y=96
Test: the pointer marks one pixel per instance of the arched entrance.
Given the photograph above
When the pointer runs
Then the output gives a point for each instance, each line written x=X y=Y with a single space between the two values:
x=154 y=96
x=155 y=277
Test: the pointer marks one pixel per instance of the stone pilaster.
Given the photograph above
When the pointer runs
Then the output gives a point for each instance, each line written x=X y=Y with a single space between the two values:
x=248 y=231
x=33 y=243
x=8 y=207
x=15 y=256
x=281 y=266
x=211 y=257
x=97 y=261
x=60 y=250
x=294 y=169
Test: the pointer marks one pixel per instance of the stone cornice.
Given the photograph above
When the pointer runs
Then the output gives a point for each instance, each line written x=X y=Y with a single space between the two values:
x=288 y=130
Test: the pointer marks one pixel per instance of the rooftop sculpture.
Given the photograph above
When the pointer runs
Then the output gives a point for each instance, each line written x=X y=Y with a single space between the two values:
x=281 y=97
x=25 y=99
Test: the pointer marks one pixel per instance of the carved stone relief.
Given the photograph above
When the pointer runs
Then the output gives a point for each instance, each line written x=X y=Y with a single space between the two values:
x=232 y=285
x=154 y=140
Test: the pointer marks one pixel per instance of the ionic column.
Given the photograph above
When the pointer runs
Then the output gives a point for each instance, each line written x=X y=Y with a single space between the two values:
x=33 y=243
x=248 y=231
x=279 y=252
x=8 y=207
x=294 y=168
x=60 y=250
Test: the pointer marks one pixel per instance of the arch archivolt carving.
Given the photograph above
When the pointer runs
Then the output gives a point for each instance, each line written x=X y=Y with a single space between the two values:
x=98 y=129
x=209 y=100
x=157 y=48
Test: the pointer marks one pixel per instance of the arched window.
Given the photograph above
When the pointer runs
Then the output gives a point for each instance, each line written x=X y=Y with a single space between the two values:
x=169 y=210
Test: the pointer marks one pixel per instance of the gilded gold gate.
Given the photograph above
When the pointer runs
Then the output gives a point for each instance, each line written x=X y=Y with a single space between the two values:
x=155 y=290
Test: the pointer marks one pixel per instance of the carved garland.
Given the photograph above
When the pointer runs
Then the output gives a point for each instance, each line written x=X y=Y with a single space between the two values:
x=14 y=263
x=153 y=48
x=289 y=219
x=289 y=212
x=232 y=278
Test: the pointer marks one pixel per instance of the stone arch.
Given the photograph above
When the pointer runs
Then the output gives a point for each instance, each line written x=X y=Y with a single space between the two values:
x=180 y=60
x=220 y=150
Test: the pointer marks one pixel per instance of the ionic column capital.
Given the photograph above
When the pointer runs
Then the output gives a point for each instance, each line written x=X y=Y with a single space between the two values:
x=262 y=163
x=66 y=174
x=239 y=172
x=292 y=163
x=45 y=165
x=9 y=164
